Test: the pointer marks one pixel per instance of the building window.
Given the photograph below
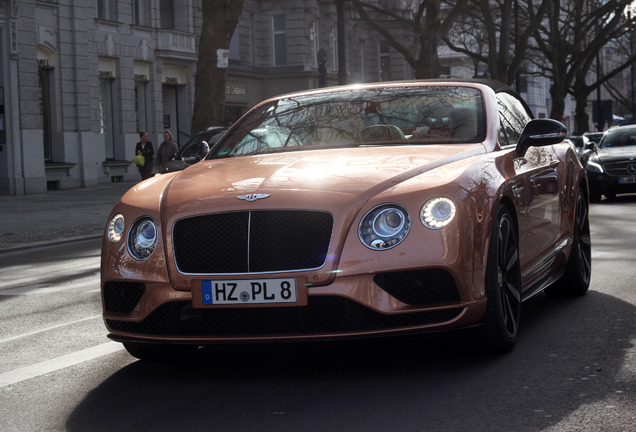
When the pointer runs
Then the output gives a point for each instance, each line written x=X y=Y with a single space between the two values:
x=141 y=13
x=363 y=76
x=334 y=48
x=45 y=73
x=141 y=102
x=279 y=40
x=314 y=42
x=523 y=83
x=235 y=49
x=106 y=10
x=166 y=12
x=385 y=62
x=253 y=39
x=107 y=113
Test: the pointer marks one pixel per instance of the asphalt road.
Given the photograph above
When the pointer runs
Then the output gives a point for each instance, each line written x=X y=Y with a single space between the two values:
x=573 y=369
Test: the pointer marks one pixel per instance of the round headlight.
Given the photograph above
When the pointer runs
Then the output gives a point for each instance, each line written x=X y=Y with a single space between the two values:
x=142 y=238
x=384 y=227
x=437 y=213
x=115 y=228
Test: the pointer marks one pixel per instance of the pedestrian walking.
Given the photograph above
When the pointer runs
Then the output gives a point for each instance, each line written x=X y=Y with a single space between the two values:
x=145 y=149
x=166 y=151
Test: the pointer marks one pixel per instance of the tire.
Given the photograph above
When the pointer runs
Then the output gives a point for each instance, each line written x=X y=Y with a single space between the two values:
x=151 y=352
x=501 y=321
x=576 y=279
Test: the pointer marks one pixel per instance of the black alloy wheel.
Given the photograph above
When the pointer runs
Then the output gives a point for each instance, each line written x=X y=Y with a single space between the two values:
x=503 y=287
x=576 y=279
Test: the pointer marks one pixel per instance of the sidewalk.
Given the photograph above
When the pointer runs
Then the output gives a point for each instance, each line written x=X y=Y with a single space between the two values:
x=57 y=216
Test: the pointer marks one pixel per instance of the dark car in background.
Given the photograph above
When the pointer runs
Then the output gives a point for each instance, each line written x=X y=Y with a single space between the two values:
x=593 y=137
x=611 y=165
x=193 y=151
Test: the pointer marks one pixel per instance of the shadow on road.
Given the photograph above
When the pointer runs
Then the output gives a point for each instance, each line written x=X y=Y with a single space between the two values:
x=569 y=363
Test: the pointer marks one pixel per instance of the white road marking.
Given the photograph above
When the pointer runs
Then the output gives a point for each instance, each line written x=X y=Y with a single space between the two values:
x=11 y=281
x=47 y=288
x=25 y=373
x=48 y=328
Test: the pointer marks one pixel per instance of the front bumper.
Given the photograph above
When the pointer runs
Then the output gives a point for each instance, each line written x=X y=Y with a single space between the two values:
x=350 y=307
x=604 y=184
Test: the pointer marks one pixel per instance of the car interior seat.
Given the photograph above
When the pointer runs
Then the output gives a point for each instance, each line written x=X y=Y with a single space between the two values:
x=382 y=132
x=463 y=124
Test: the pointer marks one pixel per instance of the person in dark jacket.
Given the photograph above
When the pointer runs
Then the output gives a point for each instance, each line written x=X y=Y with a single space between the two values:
x=166 y=151
x=144 y=148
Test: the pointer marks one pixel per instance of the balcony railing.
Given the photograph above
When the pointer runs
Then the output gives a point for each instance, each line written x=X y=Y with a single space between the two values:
x=176 y=42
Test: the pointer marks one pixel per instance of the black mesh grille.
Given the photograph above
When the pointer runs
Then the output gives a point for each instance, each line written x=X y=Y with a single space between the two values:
x=122 y=297
x=258 y=241
x=322 y=315
x=419 y=287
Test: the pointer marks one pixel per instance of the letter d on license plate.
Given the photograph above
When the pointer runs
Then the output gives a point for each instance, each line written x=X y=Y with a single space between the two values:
x=249 y=291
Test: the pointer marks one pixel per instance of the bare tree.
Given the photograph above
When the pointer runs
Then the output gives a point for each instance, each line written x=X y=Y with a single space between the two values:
x=615 y=83
x=497 y=33
x=605 y=72
x=571 y=40
x=220 y=18
x=425 y=19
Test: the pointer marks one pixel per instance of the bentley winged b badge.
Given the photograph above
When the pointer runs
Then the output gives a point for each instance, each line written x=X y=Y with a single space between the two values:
x=252 y=197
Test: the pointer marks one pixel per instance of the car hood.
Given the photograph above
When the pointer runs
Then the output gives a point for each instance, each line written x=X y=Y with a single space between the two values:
x=359 y=172
x=613 y=154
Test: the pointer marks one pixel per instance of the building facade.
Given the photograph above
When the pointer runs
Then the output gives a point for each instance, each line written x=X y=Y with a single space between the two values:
x=80 y=78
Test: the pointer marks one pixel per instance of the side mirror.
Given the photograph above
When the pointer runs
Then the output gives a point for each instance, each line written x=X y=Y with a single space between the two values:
x=541 y=132
x=590 y=145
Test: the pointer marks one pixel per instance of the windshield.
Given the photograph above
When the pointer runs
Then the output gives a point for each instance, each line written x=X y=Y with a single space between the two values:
x=384 y=116
x=619 y=138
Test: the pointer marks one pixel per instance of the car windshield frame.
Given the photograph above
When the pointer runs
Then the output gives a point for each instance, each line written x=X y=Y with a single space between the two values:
x=383 y=116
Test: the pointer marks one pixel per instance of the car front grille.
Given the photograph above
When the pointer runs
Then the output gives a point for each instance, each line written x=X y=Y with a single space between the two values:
x=323 y=315
x=252 y=241
x=122 y=297
x=618 y=169
x=419 y=287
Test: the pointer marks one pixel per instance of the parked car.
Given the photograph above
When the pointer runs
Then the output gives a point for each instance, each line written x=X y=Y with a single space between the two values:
x=611 y=165
x=193 y=150
x=369 y=210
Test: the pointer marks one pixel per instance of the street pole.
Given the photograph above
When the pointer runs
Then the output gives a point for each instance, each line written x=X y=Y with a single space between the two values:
x=631 y=53
x=599 y=111
x=342 y=67
x=516 y=17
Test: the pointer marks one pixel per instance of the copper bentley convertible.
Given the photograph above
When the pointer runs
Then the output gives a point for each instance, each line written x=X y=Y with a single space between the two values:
x=347 y=212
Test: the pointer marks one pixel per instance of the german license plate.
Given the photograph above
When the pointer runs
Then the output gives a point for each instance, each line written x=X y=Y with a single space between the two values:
x=249 y=291
x=627 y=180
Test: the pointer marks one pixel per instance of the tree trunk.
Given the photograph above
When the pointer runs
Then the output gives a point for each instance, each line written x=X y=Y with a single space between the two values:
x=428 y=63
x=558 y=91
x=220 y=18
x=580 y=93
